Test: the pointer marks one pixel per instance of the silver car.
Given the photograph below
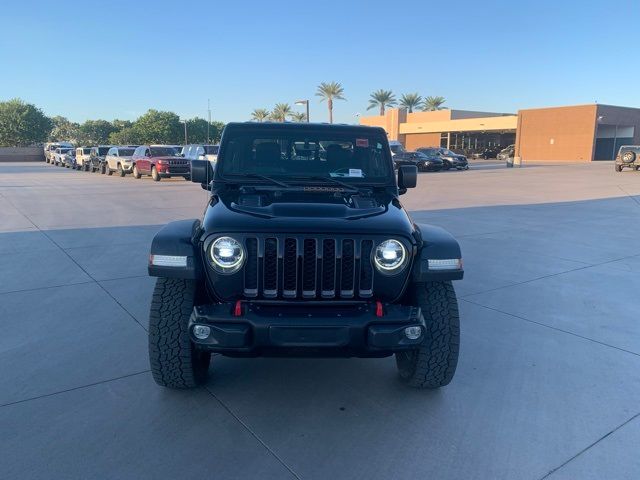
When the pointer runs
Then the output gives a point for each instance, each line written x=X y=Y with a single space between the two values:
x=118 y=159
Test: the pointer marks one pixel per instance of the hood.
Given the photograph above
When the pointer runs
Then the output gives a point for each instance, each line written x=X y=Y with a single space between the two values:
x=306 y=212
x=169 y=157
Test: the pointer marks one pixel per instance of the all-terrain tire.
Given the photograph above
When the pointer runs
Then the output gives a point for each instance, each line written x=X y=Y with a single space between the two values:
x=618 y=168
x=628 y=156
x=175 y=362
x=434 y=363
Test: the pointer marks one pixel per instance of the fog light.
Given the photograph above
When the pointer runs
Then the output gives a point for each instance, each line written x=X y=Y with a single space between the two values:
x=201 y=332
x=413 y=333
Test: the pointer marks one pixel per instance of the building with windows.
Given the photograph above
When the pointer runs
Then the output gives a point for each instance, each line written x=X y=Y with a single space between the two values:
x=580 y=133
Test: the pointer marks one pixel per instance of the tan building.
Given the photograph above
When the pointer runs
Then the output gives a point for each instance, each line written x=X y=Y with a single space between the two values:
x=580 y=133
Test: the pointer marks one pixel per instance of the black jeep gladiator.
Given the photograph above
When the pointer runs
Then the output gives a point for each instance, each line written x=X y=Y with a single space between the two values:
x=304 y=250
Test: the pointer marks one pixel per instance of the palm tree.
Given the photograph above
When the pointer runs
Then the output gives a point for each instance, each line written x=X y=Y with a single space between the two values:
x=298 y=117
x=382 y=98
x=433 y=103
x=410 y=101
x=280 y=112
x=260 y=114
x=330 y=91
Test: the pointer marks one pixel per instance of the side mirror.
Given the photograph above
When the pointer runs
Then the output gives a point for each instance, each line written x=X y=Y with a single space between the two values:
x=407 y=176
x=201 y=172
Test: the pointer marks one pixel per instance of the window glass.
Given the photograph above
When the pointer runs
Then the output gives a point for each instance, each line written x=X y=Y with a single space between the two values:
x=163 y=151
x=125 y=152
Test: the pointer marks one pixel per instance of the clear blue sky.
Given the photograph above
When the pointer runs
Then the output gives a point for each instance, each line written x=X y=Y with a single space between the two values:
x=117 y=59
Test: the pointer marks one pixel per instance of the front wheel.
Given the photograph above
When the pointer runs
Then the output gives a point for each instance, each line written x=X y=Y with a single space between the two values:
x=175 y=361
x=434 y=362
x=108 y=170
x=154 y=174
x=136 y=173
x=120 y=170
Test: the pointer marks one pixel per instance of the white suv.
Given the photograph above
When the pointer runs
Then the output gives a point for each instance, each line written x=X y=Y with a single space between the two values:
x=119 y=159
x=82 y=158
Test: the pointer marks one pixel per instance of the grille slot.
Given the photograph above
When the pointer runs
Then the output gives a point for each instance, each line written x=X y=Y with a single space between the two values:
x=307 y=267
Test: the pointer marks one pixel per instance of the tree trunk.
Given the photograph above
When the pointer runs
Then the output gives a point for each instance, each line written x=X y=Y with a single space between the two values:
x=330 y=105
x=382 y=109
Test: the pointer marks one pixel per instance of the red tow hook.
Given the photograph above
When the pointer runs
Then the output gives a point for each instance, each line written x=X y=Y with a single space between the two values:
x=379 y=309
x=237 y=310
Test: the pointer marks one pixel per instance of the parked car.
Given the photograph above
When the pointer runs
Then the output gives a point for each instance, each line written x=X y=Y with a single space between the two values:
x=422 y=161
x=395 y=147
x=628 y=157
x=276 y=266
x=96 y=158
x=200 y=152
x=49 y=149
x=82 y=157
x=159 y=161
x=69 y=158
x=507 y=152
x=487 y=153
x=449 y=159
x=57 y=157
x=120 y=160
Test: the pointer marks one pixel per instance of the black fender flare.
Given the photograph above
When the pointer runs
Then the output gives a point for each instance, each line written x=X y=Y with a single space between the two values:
x=436 y=244
x=177 y=239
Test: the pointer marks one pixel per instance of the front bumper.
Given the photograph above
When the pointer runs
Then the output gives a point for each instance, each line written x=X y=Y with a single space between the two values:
x=306 y=328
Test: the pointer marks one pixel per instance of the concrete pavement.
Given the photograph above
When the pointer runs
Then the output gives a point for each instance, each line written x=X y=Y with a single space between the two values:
x=548 y=384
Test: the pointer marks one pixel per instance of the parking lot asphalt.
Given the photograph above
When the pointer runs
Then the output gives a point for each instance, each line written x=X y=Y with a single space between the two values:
x=548 y=383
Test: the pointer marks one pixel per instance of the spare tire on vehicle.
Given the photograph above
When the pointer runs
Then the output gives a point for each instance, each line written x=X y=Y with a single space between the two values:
x=628 y=156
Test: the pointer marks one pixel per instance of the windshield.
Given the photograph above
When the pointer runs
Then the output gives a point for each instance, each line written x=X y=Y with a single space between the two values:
x=102 y=151
x=446 y=151
x=302 y=155
x=125 y=152
x=211 y=149
x=429 y=151
x=163 y=152
x=65 y=150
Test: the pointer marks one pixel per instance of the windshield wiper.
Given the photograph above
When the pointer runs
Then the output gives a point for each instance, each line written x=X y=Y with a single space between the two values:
x=262 y=177
x=320 y=178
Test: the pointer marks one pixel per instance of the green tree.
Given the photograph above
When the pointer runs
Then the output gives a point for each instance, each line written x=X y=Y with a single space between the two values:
x=158 y=127
x=260 y=114
x=298 y=116
x=383 y=99
x=197 y=130
x=280 y=112
x=433 y=103
x=125 y=136
x=121 y=124
x=22 y=124
x=95 y=132
x=330 y=91
x=64 y=130
x=410 y=101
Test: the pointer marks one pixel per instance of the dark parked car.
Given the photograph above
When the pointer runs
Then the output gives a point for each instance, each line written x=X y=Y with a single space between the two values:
x=628 y=157
x=69 y=158
x=159 y=161
x=97 y=156
x=304 y=250
x=422 y=161
x=449 y=159
x=487 y=153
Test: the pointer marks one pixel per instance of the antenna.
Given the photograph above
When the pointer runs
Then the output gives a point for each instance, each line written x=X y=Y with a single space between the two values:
x=209 y=122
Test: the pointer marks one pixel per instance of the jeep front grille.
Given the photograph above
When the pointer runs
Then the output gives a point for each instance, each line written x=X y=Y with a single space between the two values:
x=302 y=267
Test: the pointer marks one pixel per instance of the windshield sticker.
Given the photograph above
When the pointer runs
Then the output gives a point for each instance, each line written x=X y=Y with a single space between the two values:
x=362 y=142
x=355 y=172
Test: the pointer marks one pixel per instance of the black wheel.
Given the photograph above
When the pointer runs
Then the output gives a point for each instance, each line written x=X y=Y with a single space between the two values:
x=446 y=166
x=433 y=364
x=136 y=173
x=628 y=156
x=618 y=168
x=155 y=175
x=120 y=170
x=175 y=362
x=108 y=170
x=103 y=168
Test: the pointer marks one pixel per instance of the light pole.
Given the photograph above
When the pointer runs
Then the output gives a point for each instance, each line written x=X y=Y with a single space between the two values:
x=306 y=104
x=185 y=131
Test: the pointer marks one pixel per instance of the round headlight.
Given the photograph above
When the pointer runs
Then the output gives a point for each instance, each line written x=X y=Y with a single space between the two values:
x=390 y=257
x=226 y=254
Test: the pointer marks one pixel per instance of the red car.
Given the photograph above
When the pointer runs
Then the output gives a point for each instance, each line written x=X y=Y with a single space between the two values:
x=159 y=161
